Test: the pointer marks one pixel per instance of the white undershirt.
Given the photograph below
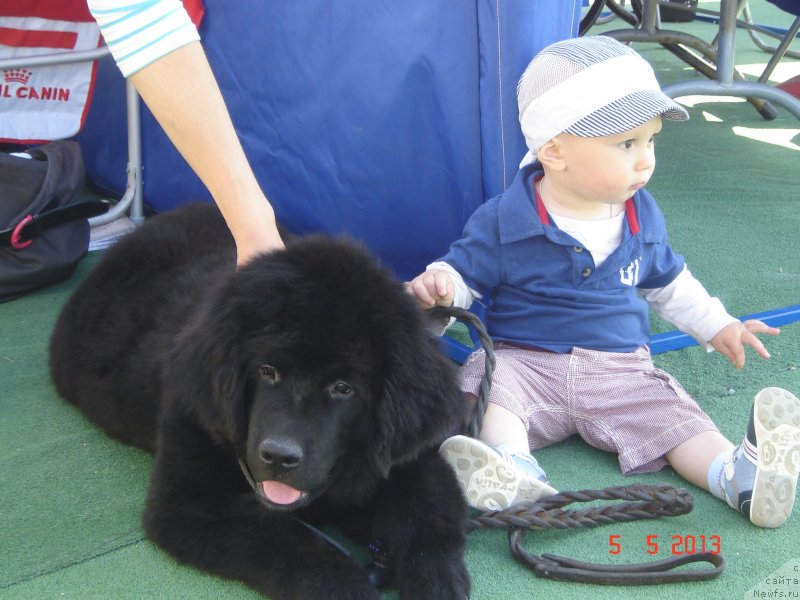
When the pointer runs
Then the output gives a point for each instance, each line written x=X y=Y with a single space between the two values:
x=600 y=238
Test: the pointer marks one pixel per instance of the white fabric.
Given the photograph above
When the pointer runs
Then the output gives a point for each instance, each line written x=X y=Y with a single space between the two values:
x=140 y=33
x=46 y=102
x=582 y=94
x=686 y=304
x=600 y=238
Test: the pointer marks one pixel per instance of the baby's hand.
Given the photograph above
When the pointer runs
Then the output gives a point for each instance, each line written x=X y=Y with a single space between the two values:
x=731 y=340
x=432 y=288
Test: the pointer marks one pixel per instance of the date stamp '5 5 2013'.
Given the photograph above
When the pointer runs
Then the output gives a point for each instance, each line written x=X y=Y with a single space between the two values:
x=676 y=545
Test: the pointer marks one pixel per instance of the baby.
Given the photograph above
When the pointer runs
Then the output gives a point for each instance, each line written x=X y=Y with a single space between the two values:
x=569 y=259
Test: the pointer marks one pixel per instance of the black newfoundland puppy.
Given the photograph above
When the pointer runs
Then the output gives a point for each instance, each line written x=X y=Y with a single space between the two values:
x=300 y=391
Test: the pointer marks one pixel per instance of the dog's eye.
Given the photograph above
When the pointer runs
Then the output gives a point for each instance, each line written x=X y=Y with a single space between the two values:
x=340 y=388
x=269 y=373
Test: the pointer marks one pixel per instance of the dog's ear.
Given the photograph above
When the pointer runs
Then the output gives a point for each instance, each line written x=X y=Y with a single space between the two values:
x=206 y=373
x=420 y=404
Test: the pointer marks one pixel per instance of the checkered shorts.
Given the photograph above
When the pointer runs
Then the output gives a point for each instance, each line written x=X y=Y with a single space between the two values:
x=617 y=402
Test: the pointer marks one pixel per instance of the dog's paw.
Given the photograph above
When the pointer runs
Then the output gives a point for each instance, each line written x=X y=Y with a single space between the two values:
x=347 y=584
x=445 y=579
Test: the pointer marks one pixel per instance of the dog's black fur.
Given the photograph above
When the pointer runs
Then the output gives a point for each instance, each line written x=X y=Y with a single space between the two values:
x=309 y=364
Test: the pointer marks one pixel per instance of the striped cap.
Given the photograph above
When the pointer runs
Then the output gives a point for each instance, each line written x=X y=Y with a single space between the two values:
x=590 y=87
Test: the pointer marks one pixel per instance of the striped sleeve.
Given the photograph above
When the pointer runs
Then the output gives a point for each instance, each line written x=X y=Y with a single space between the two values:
x=139 y=32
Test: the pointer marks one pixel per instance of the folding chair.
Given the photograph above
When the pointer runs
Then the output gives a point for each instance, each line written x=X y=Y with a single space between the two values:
x=755 y=30
x=36 y=36
x=715 y=60
x=782 y=49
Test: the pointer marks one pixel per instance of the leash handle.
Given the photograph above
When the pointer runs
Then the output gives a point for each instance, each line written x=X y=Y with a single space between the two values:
x=659 y=572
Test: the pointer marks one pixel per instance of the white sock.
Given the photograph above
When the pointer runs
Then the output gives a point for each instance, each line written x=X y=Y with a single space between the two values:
x=716 y=474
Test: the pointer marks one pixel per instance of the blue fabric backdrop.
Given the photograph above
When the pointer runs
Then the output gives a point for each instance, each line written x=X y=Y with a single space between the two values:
x=391 y=121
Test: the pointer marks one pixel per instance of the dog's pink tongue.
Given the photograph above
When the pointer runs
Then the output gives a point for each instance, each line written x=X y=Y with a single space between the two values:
x=280 y=493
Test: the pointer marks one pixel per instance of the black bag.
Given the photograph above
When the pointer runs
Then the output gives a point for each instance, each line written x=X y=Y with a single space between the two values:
x=678 y=15
x=45 y=231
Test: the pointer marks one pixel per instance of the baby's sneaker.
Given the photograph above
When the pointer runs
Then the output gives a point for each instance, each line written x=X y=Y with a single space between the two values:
x=761 y=479
x=493 y=479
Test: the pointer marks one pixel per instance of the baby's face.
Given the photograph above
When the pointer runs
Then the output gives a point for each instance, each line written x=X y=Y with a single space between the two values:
x=609 y=169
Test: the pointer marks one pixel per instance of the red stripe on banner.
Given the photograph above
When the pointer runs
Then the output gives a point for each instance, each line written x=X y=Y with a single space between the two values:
x=56 y=10
x=196 y=10
x=77 y=10
x=27 y=38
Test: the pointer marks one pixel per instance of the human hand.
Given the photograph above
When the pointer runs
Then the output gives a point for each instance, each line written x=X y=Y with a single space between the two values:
x=731 y=340
x=252 y=223
x=432 y=288
x=250 y=245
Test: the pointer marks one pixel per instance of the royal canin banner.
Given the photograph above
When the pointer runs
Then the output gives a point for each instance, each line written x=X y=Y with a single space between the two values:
x=44 y=103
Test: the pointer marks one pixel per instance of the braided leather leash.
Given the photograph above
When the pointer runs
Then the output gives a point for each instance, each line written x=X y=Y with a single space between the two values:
x=634 y=502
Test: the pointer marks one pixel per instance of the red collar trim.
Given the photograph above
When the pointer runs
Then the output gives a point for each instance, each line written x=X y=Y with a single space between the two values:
x=630 y=214
x=544 y=217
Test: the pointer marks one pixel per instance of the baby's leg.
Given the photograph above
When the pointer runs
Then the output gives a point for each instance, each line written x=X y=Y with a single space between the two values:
x=503 y=427
x=692 y=459
x=498 y=471
x=759 y=476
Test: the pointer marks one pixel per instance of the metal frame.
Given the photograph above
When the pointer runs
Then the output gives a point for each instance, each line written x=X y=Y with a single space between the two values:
x=132 y=198
x=717 y=63
x=753 y=29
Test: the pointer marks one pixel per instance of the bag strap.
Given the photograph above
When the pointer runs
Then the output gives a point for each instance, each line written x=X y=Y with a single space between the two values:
x=23 y=233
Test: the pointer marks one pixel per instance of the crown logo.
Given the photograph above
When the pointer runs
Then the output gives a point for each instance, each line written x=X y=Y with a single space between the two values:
x=17 y=75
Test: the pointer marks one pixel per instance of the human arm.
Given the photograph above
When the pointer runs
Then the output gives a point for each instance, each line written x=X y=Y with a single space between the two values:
x=192 y=112
x=441 y=285
x=732 y=339
x=157 y=48
x=685 y=303
x=432 y=288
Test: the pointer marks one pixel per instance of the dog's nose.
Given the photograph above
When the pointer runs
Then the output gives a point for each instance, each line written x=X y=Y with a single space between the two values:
x=280 y=455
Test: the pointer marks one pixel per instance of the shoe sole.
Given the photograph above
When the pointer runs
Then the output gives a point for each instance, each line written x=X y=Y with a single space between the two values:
x=777 y=427
x=487 y=481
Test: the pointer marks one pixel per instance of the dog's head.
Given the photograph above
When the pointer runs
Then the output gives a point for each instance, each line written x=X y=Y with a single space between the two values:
x=316 y=368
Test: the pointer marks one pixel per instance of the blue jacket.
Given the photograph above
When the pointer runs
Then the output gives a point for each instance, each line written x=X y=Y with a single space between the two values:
x=541 y=285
